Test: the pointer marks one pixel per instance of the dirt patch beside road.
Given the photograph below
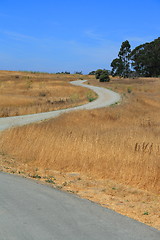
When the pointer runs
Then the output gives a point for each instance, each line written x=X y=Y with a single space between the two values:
x=132 y=202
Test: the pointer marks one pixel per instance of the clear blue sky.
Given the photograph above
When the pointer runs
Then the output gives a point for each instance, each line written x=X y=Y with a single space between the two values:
x=70 y=35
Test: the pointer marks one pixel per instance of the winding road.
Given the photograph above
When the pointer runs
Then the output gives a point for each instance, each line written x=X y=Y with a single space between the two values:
x=106 y=98
x=32 y=211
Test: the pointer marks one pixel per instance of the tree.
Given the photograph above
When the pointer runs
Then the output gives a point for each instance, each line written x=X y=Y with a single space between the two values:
x=66 y=72
x=146 y=59
x=102 y=75
x=117 y=67
x=121 y=65
x=92 y=73
x=98 y=73
x=123 y=55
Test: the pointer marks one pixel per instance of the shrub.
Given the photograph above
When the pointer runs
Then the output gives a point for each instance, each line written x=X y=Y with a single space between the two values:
x=104 y=77
x=129 y=90
x=92 y=73
x=98 y=73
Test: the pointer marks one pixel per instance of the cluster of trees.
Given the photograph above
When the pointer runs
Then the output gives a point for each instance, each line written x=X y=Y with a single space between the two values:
x=144 y=60
x=102 y=75
x=63 y=72
x=92 y=73
x=80 y=72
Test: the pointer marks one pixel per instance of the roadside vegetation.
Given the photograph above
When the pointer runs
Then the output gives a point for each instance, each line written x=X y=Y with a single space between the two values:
x=109 y=155
x=102 y=75
x=32 y=92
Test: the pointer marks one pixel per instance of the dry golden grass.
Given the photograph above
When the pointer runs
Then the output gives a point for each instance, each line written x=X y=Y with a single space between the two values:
x=26 y=93
x=119 y=144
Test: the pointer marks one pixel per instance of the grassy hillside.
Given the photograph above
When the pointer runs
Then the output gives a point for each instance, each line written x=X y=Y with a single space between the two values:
x=115 y=148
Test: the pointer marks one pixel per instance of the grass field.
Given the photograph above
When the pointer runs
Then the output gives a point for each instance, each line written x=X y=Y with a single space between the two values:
x=109 y=155
x=26 y=93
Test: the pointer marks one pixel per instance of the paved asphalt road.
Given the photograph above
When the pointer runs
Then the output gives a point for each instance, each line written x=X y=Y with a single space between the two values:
x=31 y=211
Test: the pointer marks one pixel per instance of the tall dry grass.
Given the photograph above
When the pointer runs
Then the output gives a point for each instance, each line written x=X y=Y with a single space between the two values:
x=26 y=93
x=121 y=143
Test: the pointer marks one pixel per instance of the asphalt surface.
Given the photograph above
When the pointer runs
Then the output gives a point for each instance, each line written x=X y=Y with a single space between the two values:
x=31 y=211
x=106 y=98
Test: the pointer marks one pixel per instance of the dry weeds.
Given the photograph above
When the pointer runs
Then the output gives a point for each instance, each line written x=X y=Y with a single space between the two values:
x=116 y=150
x=26 y=93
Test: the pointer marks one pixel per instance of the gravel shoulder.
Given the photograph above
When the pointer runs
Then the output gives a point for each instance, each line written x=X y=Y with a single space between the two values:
x=40 y=212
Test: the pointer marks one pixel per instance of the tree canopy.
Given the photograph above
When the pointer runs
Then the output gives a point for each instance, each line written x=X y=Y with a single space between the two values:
x=121 y=65
x=102 y=75
x=117 y=67
x=146 y=59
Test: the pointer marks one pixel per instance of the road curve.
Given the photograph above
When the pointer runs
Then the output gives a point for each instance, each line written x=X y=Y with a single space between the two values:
x=105 y=98
x=31 y=211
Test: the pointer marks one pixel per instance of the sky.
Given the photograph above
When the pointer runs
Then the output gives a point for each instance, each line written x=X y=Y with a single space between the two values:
x=69 y=35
